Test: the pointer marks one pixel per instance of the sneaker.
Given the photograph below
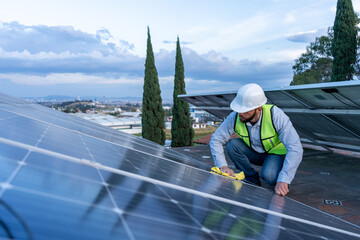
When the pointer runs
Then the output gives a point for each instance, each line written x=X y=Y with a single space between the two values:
x=253 y=179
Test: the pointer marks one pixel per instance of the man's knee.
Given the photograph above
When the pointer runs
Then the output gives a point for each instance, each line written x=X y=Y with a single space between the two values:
x=271 y=168
x=230 y=145
x=235 y=144
x=269 y=177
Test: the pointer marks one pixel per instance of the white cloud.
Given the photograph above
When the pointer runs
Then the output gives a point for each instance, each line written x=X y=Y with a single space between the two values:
x=25 y=54
x=308 y=36
x=166 y=80
x=104 y=66
x=290 y=55
x=67 y=78
x=18 y=37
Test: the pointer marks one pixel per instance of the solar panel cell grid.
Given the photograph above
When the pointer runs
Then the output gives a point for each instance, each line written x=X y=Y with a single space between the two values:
x=96 y=183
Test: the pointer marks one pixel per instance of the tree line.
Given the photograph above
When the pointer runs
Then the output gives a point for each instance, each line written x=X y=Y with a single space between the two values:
x=334 y=56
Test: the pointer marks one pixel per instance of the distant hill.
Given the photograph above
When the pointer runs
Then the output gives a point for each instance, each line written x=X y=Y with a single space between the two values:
x=51 y=98
x=102 y=99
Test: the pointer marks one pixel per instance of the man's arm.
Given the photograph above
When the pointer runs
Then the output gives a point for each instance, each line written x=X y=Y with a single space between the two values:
x=289 y=137
x=219 y=139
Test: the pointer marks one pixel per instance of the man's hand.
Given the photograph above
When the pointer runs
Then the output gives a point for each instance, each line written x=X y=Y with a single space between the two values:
x=282 y=188
x=226 y=169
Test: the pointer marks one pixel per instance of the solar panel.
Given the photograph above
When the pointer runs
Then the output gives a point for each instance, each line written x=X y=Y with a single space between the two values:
x=325 y=114
x=66 y=178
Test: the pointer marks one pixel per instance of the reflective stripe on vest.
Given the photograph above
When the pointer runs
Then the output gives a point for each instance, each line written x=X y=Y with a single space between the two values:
x=268 y=135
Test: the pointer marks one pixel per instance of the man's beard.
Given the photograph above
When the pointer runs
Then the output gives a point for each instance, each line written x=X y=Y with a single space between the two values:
x=248 y=119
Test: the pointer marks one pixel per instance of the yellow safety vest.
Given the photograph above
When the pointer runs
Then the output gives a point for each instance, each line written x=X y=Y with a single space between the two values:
x=268 y=135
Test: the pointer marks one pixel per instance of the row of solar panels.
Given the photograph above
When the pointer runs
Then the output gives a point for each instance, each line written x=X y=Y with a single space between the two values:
x=325 y=114
x=63 y=177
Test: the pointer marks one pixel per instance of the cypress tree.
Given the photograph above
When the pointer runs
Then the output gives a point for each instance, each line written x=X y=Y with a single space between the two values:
x=182 y=133
x=344 y=44
x=153 y=114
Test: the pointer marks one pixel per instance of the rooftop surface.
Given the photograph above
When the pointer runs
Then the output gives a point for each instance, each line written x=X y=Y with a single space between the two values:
x=327 y=182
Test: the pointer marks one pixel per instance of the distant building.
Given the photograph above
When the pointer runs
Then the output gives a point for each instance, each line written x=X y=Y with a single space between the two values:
x=196 y=115
x=131 y=114
x=167 y=125
x=130 y=125
x=197 y=125
x=210 y=123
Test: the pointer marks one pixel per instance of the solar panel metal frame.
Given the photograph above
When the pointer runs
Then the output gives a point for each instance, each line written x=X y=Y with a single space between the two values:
x=336 y=104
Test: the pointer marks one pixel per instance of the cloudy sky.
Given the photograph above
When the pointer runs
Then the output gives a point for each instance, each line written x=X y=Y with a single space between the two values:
x=98 y=47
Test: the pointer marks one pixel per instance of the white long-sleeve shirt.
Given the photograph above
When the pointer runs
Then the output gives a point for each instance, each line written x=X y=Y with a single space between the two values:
x=287 y=135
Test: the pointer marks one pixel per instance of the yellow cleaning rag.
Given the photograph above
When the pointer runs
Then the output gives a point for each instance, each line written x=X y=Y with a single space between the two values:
x=238 y=176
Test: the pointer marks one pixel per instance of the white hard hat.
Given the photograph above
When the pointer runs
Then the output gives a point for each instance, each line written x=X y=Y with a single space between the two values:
x=249 y=97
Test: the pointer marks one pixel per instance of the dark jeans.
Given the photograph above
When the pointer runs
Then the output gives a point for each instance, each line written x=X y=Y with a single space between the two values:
x=241 y=155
